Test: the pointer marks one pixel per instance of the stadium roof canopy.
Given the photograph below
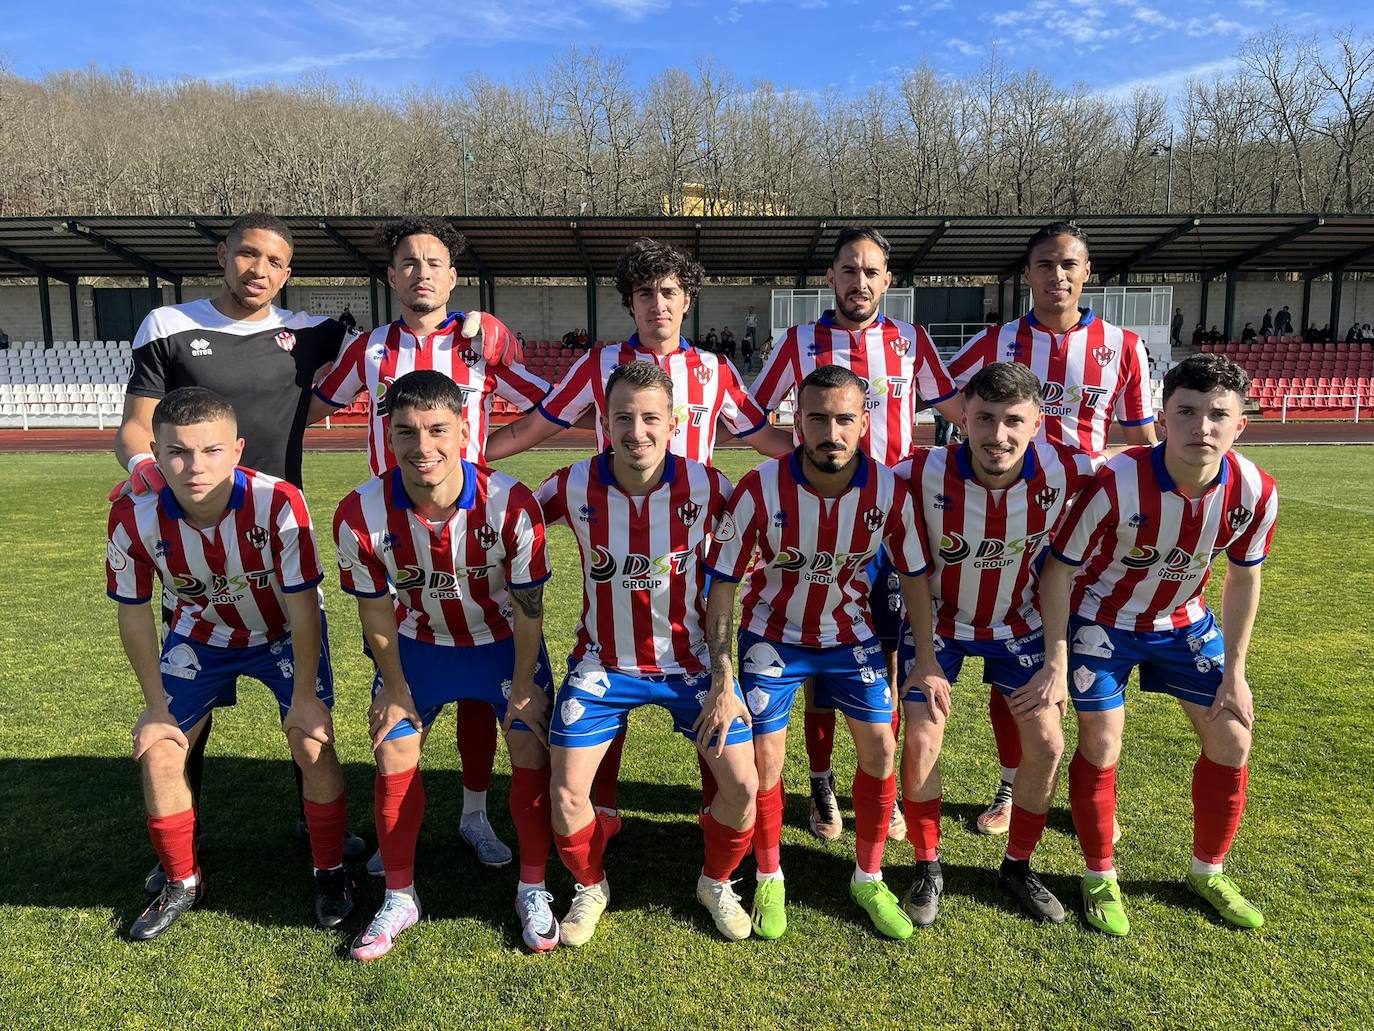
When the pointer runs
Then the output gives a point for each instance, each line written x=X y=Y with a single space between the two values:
x=176 y=246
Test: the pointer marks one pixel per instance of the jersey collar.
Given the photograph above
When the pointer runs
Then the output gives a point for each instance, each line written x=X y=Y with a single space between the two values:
x=859 y=481
x=1085 y=318
x=443 y=329
x=827 y=320
x=605 y=471
x=168 y=501
x=963 y=462
x=1166 y=482
x=466 y=498
x=683 y=345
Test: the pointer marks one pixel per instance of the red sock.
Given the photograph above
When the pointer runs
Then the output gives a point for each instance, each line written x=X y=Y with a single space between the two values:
x=873 y=800
x=327 y=822
x=1218 y=802
x=398 y=805
x=529 y=808
x=1092 y=800
x=923 y=826
x=1004 y=729
x=606 y=785
x=582 y=852
x=1026 y=830
x=768 y=827
x=819 y=728
x=709 y=787
x=477 y=729
x=174 y=841
x=725 y=847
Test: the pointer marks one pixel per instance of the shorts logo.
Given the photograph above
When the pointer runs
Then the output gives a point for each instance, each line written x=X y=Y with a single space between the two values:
x=763 y=660
x=485 y=536
x=287 y=667
x=758 y=701
x=900 y=346
x=1046 y=497
x=688 y=512
x=725 y=528
x=572 y=711
x=258 y=537
x=703 y=374
x=1239 y=517
x=589 y=676
x=874 y=518
x=115 y=557
x=506 y=686
x=1092 y=640
x=867 y=675
x=286 y=340
x=691 y=679
x=1083 y=679
x=469 y=356
x=201 y=347
x=181 y=662
x=701 y=697
x=1205 y=665
x=1103 y=355
x=860 y=653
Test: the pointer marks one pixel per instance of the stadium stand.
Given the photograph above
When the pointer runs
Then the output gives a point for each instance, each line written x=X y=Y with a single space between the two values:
x=72 y=383
x=1297 y=380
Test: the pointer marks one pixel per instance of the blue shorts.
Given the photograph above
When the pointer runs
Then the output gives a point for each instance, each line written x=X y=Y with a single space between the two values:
x=851 y=678
x=200 y=677
x=594 y=702
x=1007 y=665
x=441 y=673
x=885 y=599
x=1186 y=663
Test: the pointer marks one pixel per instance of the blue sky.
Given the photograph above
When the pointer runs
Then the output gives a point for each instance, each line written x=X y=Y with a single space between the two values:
x=809 y=44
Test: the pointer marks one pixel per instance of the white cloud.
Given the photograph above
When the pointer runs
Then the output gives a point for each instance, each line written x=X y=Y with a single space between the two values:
x=963 y=46
x=633 y=9
x=1170 y=82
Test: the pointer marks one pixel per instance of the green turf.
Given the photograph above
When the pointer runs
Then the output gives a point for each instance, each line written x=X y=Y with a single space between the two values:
x=73 y=849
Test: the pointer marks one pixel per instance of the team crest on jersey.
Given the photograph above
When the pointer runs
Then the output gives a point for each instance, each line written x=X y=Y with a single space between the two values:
x=1239 y=517
x=286 y=340
x=258 y=537
x=900 y=346
x=688 y=512
x=485 y=536
x=1046 y=497
x=1103 y=355
x=469 y=356
x=874 y=518
x=703 y=374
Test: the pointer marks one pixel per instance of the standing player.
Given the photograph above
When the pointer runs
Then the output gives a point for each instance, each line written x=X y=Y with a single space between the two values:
x=991 y=504
x=1123 y=588
x=236 y=549
x=816 y=518
x=901 y=370
x=642 y=517
x=457 y=543
x=428 y=336
x=260 y=358
x=658 y=285
x=1092 y=372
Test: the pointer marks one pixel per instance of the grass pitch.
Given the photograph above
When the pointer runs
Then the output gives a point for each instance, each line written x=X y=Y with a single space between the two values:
x=73 y=850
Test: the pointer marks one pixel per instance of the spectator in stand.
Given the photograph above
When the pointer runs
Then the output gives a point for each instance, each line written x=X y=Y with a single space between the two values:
x=751 y=328
x=520 y=337
x=747 y=351
x=1283 y=321
x=992 y=319
x=1214 y=335
x=1199 y=336
x=4 y=340
x=1366 y=332
x=583 y=340
x=712 y=342
x=1326 y=335
x=1176 y=328
x=727 y=342
x=1310 y=334
x=569 y=340
x=1353 y=333
x=1248 y=333
x=347 y=320
x=1267 y=323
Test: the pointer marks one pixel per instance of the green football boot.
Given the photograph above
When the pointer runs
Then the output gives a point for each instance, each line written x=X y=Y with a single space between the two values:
x=1102 y=906
x=1223 y=896
x=882 y=908
x=770 y=910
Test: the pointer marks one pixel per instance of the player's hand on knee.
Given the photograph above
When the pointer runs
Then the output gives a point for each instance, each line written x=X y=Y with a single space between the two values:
x=1047 y=687
x=492 y=339
x=717 y=716
x=388 y=709
x=931 y=682
x=530 y=706
x=310 y=718
x=1234 y=696
x=152 y=727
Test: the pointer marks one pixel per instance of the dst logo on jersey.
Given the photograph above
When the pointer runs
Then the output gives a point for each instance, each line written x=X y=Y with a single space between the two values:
x=485 y=536
x=1177 y=565
x=222 y=590
x=688 y=512
x=286 y=340
x=690 y=415
x=637 y=572
x=443 y=586
x=1103 y=355
x=893 y=386
x=1062 y=400
x=1046 y=497
x=823 y=567
x=991 y=553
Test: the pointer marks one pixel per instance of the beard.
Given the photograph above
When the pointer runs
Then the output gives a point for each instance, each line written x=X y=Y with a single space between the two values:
x=828 y=461
x=857 y=311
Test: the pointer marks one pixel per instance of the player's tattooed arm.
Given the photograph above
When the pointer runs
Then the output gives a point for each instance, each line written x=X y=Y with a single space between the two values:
x=528 y=703
x=720 y=625
x=723 y=706
x=530 y=600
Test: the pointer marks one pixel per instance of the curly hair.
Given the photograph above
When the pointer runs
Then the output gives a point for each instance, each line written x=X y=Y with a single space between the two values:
x=648 y=261
x=393 y=233
x=1205 y=373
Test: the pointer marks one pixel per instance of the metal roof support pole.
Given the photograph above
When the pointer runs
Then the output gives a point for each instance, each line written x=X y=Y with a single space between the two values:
x=928 y=245
x=176 y=291
x=154 y=292
x=591 y=307
x=805 y=265
x=45 y=310
x=372 y=296
x=281 y=301
x=75 y=305
x=386 y=297
x=1337 y=281
x=1125 y=277
x=1229 y=316
x=1306 y=303
x=1202 y=302
x=1016 y=312
x=1151 y=248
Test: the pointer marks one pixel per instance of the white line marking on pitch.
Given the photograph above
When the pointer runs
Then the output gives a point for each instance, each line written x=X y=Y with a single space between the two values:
x=1328 y=504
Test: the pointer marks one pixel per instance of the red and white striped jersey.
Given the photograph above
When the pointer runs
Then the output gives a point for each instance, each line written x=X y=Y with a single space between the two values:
x=642 y=561
x=1145 y=550
x=989 y=540
x=1093 y=373
x=897 y=360
x=375 y=360
x=706 y=387
x=809 y=586
x=228 y=581
x=452 y=582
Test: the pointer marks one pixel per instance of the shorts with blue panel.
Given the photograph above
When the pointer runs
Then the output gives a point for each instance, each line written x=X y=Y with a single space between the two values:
x=1187 y=663
x=851 y=678
x=1007 y=665
x=438 y=674
x=594 y=703
x=885 y=599
x=199 y=677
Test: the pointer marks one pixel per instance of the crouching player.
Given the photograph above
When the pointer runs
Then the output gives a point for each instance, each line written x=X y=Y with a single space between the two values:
x=642 y=517
x=816 y=518
x=236 y=549
x=1123 y=588
x=991 y=503
x=458 y=543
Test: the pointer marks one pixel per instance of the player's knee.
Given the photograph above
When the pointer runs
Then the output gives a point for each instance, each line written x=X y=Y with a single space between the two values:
x=526 y=751
x=1227 y=741
x=163 y=761
x=567 y=801
x=877 y=752
x=1099 y=745
x=1043 y=742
